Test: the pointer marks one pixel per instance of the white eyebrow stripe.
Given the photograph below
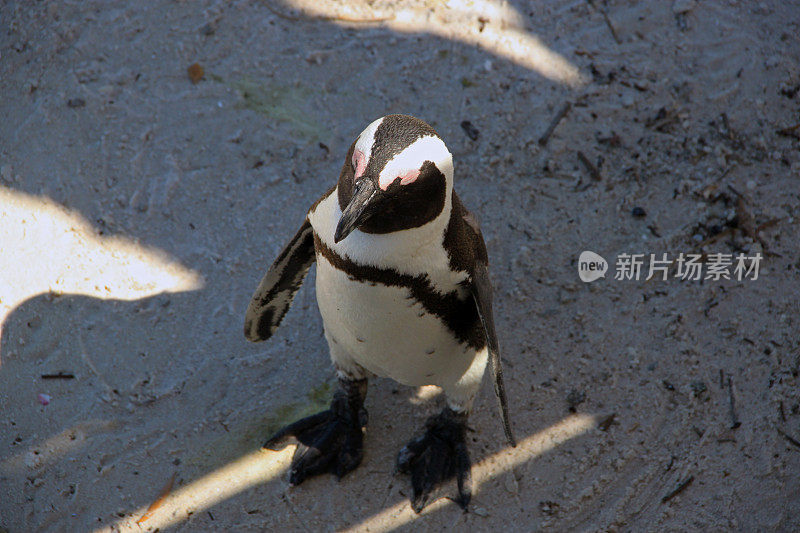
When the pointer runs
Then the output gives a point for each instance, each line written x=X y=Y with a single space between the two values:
x=367 y=139
x=427 y=148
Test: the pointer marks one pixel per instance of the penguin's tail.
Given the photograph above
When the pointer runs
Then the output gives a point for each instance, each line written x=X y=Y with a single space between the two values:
x=500 y=392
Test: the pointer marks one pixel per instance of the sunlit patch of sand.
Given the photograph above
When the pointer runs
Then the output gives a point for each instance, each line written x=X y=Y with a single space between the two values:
x=490 y=467
x=261 y=467
x=49 y=450
x=47 y=248
x=491 y=25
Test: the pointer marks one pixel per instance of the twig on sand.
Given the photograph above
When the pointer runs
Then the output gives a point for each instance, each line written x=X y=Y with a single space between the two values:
x=59 y=375
x=735 y=423
x=677 y=490
x=554 y=123
x=593 y=172
x=281 y=14
x=299 y=518
x=731 y=187
x=606 y=422
x=158 y=501
x=768 y=224
x=608 y=21
x=610 y=26
x=788 y=437
x=791 y=131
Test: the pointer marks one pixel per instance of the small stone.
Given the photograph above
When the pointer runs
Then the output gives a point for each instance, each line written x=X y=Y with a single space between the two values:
x=575 y=398
x=481 y=511
x=632 y=352
x=638 y=212
x=627 y=100
x=682 y=6
x=510 y=483
x=139 y=201
x=549 y=508
x=32 y=459
x=76 y=102
x=698 y=388
x=471 y=131
x=195 y=72
x=315 y=58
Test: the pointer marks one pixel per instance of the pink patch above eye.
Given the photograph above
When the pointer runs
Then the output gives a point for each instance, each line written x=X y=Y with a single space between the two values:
x=406 y=177
x=409 y=177
x=359 y=163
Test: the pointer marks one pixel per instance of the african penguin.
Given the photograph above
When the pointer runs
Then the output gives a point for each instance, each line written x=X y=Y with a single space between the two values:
x=403 y=289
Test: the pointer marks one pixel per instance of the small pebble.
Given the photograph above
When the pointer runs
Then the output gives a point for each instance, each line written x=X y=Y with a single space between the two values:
x=510 y=483
x=638 y=212
x=44 y=399
x=627 y=100
x=682 y=6
x=471 y=131
x=195 y=72
x=548 y=507
x=575 y=398
x=698 y=387
x=76 y=102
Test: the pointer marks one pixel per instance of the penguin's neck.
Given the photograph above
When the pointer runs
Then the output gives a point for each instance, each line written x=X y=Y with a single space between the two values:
x=417 y=251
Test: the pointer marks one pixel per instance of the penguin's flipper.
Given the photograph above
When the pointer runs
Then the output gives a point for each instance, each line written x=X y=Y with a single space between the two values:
x=482 y=294
x=276 y=291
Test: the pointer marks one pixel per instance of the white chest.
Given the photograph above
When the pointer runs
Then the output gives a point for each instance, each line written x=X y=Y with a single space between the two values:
x=414 y=251
x=387 y=331
x=382 y=327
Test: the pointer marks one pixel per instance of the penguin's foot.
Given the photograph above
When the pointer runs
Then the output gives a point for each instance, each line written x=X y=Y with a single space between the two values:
x=437 y=456
x=330 y=441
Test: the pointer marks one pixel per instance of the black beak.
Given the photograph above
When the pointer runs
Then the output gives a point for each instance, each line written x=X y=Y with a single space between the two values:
x=358 y=210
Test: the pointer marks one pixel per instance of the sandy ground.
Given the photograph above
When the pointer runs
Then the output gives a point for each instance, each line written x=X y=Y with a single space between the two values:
x=138 y=210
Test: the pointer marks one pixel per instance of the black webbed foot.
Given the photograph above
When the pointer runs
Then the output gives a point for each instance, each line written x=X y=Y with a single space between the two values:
x=438 y=456
x=330 y=441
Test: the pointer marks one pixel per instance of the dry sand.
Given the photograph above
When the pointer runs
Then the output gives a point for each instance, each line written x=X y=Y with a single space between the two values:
x=138 y=211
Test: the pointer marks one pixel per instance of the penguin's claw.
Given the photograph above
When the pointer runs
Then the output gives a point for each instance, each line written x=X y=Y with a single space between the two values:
x=438 y=456
x=330 y=441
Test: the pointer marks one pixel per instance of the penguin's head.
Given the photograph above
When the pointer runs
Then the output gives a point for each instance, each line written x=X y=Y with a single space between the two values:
x=397 y=175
